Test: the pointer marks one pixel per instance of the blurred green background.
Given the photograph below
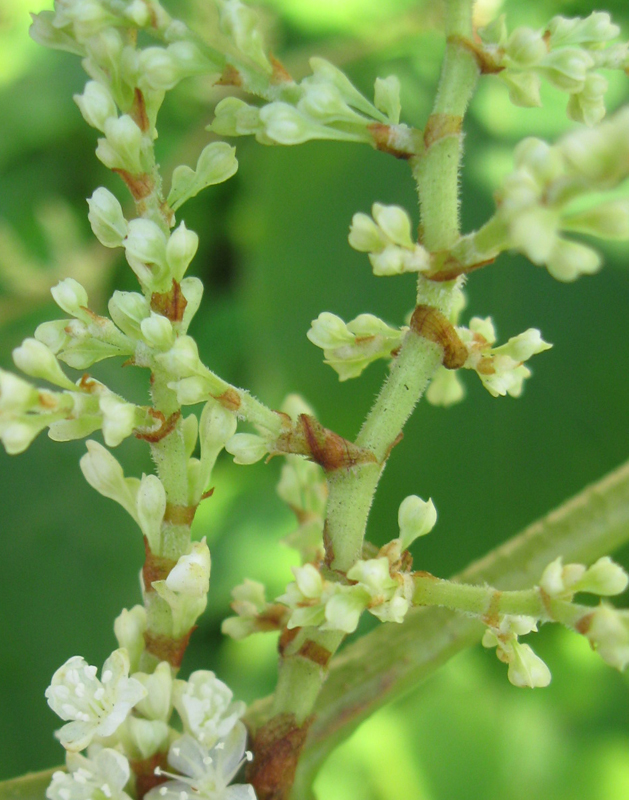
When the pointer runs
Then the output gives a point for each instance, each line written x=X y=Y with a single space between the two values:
x=273 y=255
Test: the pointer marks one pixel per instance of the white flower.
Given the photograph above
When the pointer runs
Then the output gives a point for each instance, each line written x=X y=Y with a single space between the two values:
x=103 y=776
x=93 y=707
x=206 y=773
x=206 y=707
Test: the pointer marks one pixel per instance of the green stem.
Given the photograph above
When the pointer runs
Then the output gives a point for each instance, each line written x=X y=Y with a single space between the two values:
x=437 y=169
x=393 y=659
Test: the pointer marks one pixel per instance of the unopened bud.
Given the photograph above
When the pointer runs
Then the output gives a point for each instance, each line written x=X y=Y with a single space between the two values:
x=70 y=296
x=106 y=218
x=151 y=507
x=38 y=361
x=191 y=573
x=394 y=223
x=416 y=518
x=96 y=104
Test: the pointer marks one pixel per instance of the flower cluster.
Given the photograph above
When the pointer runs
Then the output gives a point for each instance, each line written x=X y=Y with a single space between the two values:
x=121 y=718
x=525 y=668
x=324 y=105
x=381 y=585
x=546 y=194
x=568 y=54
x=350 y=347
x=387 y=238
x=501 y=369
x=606 y=628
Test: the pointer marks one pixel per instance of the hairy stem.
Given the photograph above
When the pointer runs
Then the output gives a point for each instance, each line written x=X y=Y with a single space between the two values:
x=304 y=666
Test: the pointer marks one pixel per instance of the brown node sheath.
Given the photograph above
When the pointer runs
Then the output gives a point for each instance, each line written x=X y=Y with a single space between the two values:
x=326 y=448
x=492 y=616
x=314 y=652
x=138 y=111
x=170 y=304
x=179 y=515
x=230 y=399
x=440 y=126
x=166 y=649
x=486 y=63
x=144 y=771
x=451 y=268
x=382 y=136
x=276 y=746
x=166 y=426
x=431 y=324
x=286 y=637
x=156 y=568
x=140 y=186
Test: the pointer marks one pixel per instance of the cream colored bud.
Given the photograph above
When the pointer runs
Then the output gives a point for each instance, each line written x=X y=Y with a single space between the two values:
x=96 y=104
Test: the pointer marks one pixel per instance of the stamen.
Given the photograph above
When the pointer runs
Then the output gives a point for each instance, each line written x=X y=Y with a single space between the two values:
x=176 y=751
x=106 y=790
x=249 y=755
x=220 y=746
x=90 y=672
x=79 y=690
x=163 y=791
x=99 y=693
x=157 y=771
x=69 y=709
x=107 y=676
x=208 y=760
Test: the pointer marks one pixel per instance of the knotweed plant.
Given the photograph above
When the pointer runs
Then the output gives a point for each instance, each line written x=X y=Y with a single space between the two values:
x=136 y=728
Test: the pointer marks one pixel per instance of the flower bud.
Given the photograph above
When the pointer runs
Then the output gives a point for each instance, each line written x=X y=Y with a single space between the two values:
x=129 y=627
x=524 y=88
x=323 y=102
x=192 y=290
x=17 y=435
x=607 y=220
x=147 y=737
x=119 y=419
x=191 y=390
x=608 y=633
x=234 y=117
x=365 y=236
x=527 y=669
x=325 y=72
x=70 y=296
x=122 y=145
x=182 y=360
x=103 y=473
x=446 y=388
x=241 y=24
x=159 y=69
x=394 y=223
x=604 y=578
x=328 y=331
x=416 y=518
x=150 y=510
x=106 y=218
x=524 y=345
x=567 y=68
x=16 y=395
x=38 y=361
x=568 y=260
x=525 y=47
x=96 y=104
x=216 y=164
x=343 y=610
x=247 y=448
x=387 y=98
x=284 y=124
x=191 y=573
x=595 y=29
x=157 y=331
x=157 y=704
x=128 y=310
x=145 y=250
x=180 y=250
x=44 y=31
x=588 y=105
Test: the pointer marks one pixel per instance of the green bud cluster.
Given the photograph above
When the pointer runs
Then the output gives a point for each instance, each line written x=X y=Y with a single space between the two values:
x=568 y=54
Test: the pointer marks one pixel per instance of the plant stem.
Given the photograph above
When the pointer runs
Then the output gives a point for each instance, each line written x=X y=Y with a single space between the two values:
x=437 y=169
x=351 y=491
